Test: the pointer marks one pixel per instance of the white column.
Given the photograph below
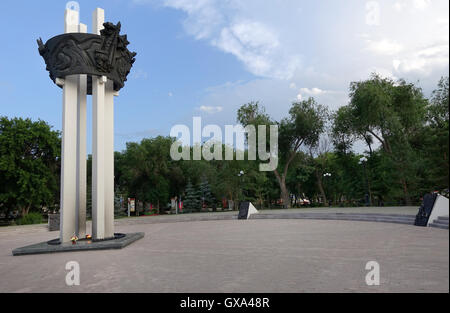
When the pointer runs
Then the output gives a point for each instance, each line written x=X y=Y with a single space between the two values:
x=81 y=150
x=109 y=159
x=98 y=18
x=98 y=144
x=69 y=143
x=71 y=21
x=98 y=157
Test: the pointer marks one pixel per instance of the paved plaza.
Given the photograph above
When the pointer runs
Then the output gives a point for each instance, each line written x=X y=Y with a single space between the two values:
x=264 y=255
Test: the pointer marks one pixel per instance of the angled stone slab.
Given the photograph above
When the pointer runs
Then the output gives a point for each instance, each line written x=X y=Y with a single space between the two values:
x=246 y=209
x=81 y=245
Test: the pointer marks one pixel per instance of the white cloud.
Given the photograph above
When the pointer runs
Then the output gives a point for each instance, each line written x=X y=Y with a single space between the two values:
x=255 y=35
x=413 y=41
x=304 y=92
x=203 y=16
x=226 y=26
x=313 y=91
x=254 y=56
x=258 y=47
x=138 y=74
x=318 y=93
x=414 y=4
x=399 y=5
x=383 y=72
x=210 y=109
x=384 y=46
x=423 y=61
x=421 y=4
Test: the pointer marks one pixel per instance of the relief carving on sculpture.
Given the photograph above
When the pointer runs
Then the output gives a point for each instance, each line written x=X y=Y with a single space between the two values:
x=80 y=53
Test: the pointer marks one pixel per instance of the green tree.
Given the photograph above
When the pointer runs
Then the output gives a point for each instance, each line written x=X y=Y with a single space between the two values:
x=146 y=168
x=205 y=190
x=436 y=139
x=118 y=206
x=29 y=164
x=300 y=180
x=192 y=199
x=344 y=132
x=228 y=183
x=302 y=128
x=392 y=114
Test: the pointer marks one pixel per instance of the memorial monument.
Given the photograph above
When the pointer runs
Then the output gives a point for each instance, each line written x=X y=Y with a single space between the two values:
x=84 y=64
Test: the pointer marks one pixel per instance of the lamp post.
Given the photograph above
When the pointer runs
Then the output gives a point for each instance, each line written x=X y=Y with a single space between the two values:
x=241 y=181
x=367 y=197
x=328 y=175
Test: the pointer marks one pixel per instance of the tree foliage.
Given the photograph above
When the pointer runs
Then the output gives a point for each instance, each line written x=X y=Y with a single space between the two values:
x=193 y=198
x=29 y=165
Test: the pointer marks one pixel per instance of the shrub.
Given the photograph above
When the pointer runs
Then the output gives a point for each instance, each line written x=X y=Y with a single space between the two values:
x=30 y=218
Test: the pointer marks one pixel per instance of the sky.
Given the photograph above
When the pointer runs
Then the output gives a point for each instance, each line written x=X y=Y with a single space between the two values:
x=208 y=57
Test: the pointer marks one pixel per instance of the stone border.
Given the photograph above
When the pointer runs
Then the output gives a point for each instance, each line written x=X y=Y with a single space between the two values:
x=44 y=247
x=366 y=217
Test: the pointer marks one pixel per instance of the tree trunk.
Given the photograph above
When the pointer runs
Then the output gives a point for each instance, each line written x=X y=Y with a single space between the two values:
x=319 y=184
x=284 y=192
x=285 y=195
x=25 y=210
x=406 y=193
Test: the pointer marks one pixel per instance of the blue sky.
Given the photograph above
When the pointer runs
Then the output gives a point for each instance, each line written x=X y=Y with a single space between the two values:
x=208 y=57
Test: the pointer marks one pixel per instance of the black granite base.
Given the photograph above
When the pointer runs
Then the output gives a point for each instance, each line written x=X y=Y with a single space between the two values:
x=81 y=245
